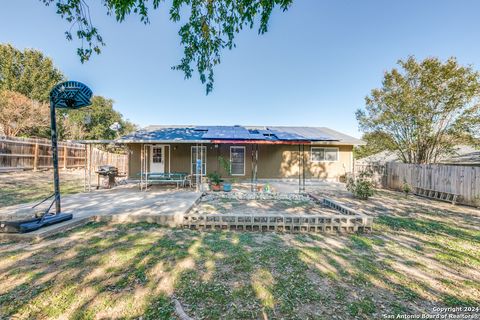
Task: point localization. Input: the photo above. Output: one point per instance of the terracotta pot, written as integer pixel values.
(216, 187)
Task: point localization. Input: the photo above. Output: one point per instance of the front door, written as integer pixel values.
(157, 159)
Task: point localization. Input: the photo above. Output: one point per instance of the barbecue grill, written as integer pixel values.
(108, 173)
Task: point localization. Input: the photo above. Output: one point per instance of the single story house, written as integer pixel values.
(253, 151)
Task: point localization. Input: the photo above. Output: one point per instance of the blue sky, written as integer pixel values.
(314, 67)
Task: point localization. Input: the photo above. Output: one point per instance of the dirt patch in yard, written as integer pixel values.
(390, 204)
(260, 203)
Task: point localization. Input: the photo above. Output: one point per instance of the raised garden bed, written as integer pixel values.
(260, 203)
(290, 212)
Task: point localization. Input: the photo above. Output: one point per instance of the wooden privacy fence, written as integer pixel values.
(99, 157)
(377, 172)
(461, 180)
(34, 154)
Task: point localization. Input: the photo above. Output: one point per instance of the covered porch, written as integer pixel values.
(251, 153)
(248, 162)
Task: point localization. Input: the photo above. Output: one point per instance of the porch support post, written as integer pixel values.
(197, 178)
(299, 171)
(256, 165)
(141, 167)
(169, 158)
(85, 163)
(89, 167)
(303, 167)
(253, 169)
(252, 187)
(146, 168)
(145, 164)
(201, 166)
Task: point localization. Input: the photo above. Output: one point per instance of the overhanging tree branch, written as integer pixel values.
(210, 28)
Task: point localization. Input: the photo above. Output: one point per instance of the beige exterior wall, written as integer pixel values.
(134, 160)
(274, 161)
(284, 161)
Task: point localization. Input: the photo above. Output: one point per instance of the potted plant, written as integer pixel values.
(226, 165)
(215, 180)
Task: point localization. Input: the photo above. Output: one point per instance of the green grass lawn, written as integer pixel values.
(29, 186)
(128, 271)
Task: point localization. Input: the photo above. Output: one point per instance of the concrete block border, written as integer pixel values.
(347, 220)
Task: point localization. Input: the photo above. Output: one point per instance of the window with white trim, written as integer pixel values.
(237, 161)
(157, 154)
(202, 155)
(324, 154)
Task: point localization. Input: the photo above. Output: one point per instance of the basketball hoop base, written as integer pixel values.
(28, 225)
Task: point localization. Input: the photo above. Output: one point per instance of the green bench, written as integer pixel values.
(178, 178)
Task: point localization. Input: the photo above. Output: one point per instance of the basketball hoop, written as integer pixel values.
(65, 95)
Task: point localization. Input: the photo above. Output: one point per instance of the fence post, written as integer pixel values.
(35, 157)
(65, 149)
(385, 176)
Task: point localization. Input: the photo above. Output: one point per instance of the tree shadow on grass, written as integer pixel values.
(132, 270)
(80, 275)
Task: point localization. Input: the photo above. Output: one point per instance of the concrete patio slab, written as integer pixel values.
(123, 204)
(128, 204)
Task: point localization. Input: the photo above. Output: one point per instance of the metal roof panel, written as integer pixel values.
(275, 133)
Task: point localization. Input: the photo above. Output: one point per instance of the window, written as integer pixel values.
(324, 154)
(237, 161)
(202, 155)
(157, 155)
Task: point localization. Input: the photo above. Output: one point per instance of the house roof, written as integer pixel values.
(460, 155)
(246, 134)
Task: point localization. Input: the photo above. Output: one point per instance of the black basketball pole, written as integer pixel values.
(56, 178)
(65, 95)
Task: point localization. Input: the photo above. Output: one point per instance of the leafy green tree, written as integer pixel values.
(424, 108)
(211, 26)
(98, 121)
(26, 78)
(28, 72)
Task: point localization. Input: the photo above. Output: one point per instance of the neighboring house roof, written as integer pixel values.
(461, 155)
(259, 134)
(378, 158)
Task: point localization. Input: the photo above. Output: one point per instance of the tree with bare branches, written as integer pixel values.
(19, 113)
